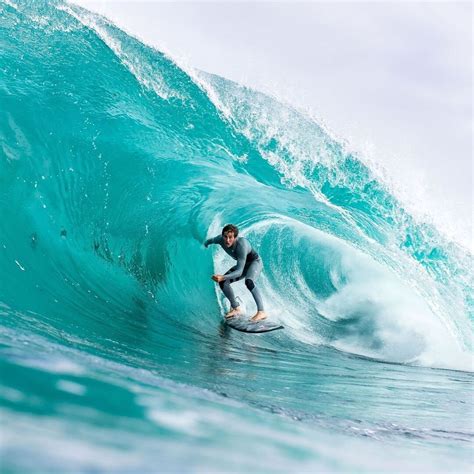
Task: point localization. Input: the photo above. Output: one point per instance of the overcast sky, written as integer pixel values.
(394, 79)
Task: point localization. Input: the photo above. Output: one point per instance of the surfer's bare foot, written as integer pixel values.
(232, 313)
(259, 316)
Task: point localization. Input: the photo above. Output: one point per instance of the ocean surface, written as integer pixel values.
(116, 164)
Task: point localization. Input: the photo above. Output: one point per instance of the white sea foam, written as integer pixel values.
(71, 387)
(374, 312)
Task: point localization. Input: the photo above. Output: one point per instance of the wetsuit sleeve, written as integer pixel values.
(214, 240)
(239, 268)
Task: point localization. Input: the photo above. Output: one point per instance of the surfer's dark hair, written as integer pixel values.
(230, 228)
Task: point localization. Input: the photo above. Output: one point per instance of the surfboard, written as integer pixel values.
(243, 324)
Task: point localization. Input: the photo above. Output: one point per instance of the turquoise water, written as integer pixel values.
(116, 164)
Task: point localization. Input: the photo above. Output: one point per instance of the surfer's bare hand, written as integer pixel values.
(218, 278)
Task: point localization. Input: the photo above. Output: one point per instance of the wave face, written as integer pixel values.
(116, 165)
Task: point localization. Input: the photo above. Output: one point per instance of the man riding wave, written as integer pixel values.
(249, 266)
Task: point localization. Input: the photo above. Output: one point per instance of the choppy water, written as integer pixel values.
(116, 164)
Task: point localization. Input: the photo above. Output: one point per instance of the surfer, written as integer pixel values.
(249, 265)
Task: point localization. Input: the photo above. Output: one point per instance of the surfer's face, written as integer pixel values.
(229, 239)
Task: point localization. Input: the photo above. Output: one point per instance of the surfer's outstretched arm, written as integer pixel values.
(213, 240)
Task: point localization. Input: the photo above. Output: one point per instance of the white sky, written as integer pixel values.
(394, 79)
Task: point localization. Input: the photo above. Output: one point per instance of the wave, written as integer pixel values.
(117, 163)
